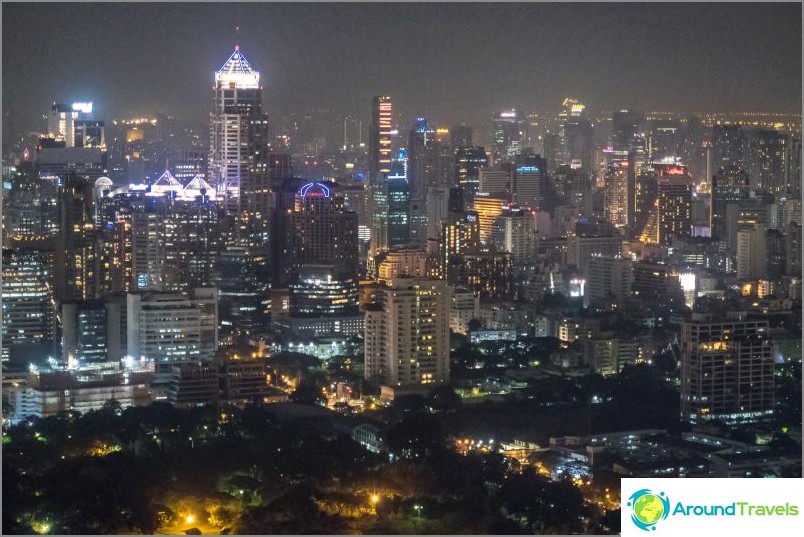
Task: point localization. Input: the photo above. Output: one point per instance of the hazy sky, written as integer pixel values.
(455, 62)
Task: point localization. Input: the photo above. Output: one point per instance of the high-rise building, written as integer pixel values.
(726, 370)
(767, 166)
(406, 337)
(84, 332)
(572, 143)
(728, 146)
(730, 186)
(321, 229)
(324, 291)
(530, 181)
(671, 214)
(514, 233)
(752, 258)
(28, 298)
(171, 328)
(236, 121)
(608, 278)
(510, 135)
(620, 195)
(626, 136)
(468, 163)
(380, 136)
(398, 196)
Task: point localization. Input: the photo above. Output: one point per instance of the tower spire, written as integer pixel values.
(237, 37)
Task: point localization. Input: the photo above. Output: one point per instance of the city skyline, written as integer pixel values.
(644, 57)
(385, 269)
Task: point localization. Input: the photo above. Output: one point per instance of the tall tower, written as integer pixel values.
(379, 167)
(380, 136)
(238, 103)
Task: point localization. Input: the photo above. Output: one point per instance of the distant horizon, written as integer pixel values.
(464, 63)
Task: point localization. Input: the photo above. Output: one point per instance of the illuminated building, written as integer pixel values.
(671, 215)
(626, 137)
(514, 233)
(468, 163)
(572, 186)
(726, 370)
(767, 166)
(147, 251)
(458, 237)
(485, 271)
(487, 209)
(729, 187)
(728, 146)
(401, 264)
(28, 304)
(424, 171)
(72, 125)
(608, 355)
(619, 195)
(463, 307)
(77, 272)
(321, 229)
(169, 328)
(84, 332)
(530, 181)
(406, 335)
(323, 291)
(241, 287)
(571, 145)
(237, 131)
(510, 135)
(398, 217)
(380, 137)
(751, 253)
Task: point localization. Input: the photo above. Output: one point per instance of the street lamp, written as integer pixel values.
(418, 509)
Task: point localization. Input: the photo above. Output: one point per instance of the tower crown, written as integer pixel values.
(237, 70)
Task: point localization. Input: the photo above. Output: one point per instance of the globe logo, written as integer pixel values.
(648, 508)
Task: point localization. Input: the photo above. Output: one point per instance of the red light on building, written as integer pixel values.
(674, 170)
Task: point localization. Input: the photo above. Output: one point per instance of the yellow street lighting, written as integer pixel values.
(189, 519)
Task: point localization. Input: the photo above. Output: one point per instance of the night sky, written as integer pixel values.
(455, 62)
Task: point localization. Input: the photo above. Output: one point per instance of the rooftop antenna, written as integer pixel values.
(237, 35)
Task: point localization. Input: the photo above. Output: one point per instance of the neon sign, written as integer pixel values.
(675, 170)
(321, 190)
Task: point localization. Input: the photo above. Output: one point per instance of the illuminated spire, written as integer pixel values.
(237, 69)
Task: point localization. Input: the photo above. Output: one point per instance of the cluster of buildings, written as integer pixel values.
(264, 238)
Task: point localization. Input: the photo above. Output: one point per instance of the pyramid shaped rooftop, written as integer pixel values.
(237, 69)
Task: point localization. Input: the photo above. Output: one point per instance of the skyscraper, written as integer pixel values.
(468, 163)
(619, 195)
(510, 135)
(406, 337)
(236, 121)
(380, 136)
(28, 313)
(321, 229)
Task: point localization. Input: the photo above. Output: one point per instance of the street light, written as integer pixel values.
(189, 519)
(418, 509)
